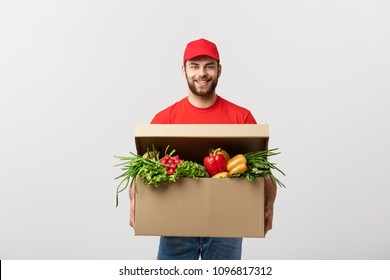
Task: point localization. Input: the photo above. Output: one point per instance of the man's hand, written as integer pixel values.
(270, 196)
(132, 204)
(269, 213)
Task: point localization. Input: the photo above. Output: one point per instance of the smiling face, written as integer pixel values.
(202, 75)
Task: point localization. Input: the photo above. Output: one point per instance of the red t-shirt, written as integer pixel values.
(221, 112)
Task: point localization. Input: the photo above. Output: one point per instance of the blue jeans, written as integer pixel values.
(207, 248)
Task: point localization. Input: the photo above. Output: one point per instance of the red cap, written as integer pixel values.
(200, 47)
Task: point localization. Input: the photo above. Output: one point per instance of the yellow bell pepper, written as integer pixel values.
(225, 154)
(221, 175)
(237, 164)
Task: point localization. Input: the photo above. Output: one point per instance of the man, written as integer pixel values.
(202, 68)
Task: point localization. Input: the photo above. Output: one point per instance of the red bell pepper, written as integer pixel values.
(215, 163)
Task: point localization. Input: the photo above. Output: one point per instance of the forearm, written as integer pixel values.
(270, 191)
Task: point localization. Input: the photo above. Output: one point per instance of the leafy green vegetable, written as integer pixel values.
(153, 175)
(190, 169)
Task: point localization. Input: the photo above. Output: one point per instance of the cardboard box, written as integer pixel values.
(225, 207)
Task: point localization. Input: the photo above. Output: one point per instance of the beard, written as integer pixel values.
(202, 91)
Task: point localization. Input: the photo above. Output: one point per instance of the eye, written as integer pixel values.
(194, 66)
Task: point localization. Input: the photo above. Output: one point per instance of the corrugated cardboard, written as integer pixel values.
(204, 207)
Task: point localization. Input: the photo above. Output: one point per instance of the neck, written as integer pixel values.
(202, 101)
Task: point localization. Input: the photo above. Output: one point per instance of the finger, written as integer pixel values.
(132, 222)
(132, 214)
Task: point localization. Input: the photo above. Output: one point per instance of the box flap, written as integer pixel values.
(193, 141)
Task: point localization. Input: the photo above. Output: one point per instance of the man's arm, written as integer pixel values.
(270, 196)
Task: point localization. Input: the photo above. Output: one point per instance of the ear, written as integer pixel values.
(183, 70)
(219, 70)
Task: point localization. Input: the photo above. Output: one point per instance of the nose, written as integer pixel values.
(202, 72)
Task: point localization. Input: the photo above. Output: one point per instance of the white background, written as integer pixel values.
(76, 76)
